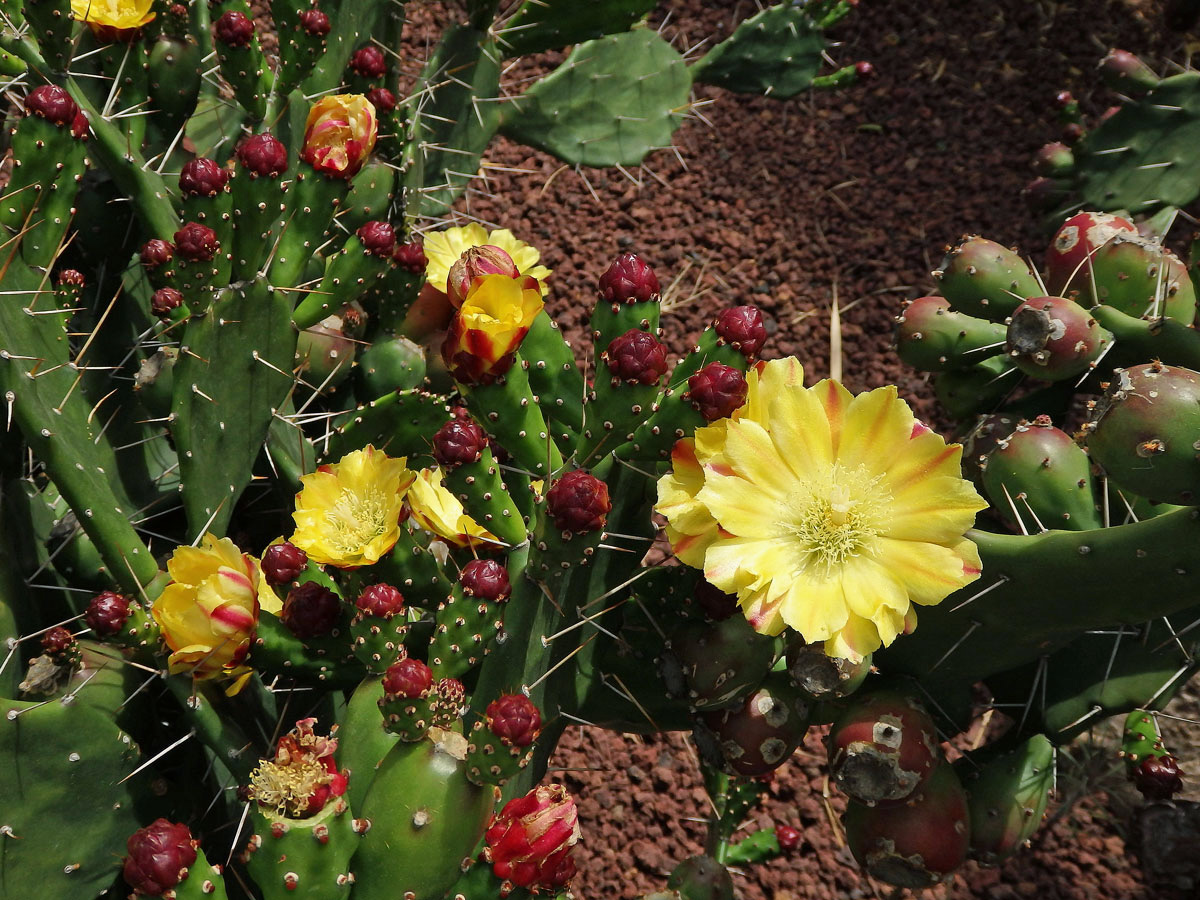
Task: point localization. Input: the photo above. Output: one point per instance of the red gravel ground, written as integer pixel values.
(787, 205)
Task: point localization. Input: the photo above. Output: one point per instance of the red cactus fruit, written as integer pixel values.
(80, 126)
(1122, 71)
(514, 719)
(1073, 244)
(410, 257)
(1073, 132)
(1053, 159)
(716, 391)
(1053, 338)
(57, 641)
(637, 357)
(578, 502)
(865, 69)
(1158, 778)
(743, 328)
(378, 238)
(789, 838)
(164, 300)
(369, 62)
(202, 177)
(883, 748)
(234, 29)
(382, 99)
(263, 156)
(315, 22)
(380, 600)
(196, 242)
(459, 442)
(310, 610)
(759, 734)
(408, 678)
(452, 699)
(629, 280)
(107, 613)
(1064, 99)
(918, 843)
(476, 262)
(486, 579)
(71, 278)
(529, 843)
(282, 563)
(156, 252)
(52, 103)
(159, 856)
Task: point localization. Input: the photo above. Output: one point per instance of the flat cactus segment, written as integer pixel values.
(548, 24)
(399, 423)
(610, 103)
(776, 52)
(232, 375)
(1144, 155)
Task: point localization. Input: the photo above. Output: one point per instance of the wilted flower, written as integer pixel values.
(489, 327)
(443, 249)
(113, 19)
(437, 510)
(339, 134)
(302, 777)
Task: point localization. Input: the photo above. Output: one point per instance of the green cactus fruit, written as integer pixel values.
(510, 413)
(50, 24)
(549, 24)
(1054, 160)
(883, 748)
(978, 389)
(1007, 796)
(472, 474)
(1140, 738)
(1141, 278)
(308, 857)
(628, 375)
(985, 279)
(757, 736)
(241, 58)
(758, 846)
(464, 628)
(932, 337)
(360, 266)
(1038, 472)
(1143, 432)
(821, 677)
(1068, 258)
(501, 743)
(394, 364)
(1054, 339)
(612, 101)
(985, 435)
(325, 354)
(715, 665)
(426, 820)
(41, 141)
(1124, 72)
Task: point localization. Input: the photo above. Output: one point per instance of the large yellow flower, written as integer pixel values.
(443, 248)
(348, 513)
(437, 510)
(121, 15)
(824, 512)
(489, 327)
(209, 611)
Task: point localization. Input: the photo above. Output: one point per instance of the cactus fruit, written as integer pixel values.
(701, 878)
(822, 677)
(1140, 278)
(1068, 258)
(984, 279)
(757, 736)
(1007, 796)
(715, 666)
(499, 742)
(159, 857)
(931, 336)
(409, 699)
(1054, 339)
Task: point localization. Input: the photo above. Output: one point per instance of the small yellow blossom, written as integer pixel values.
(443, 248)
(119, 15)
(438, 511)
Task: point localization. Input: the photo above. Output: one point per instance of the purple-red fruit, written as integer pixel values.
(716, 391)
(411, 257)
(164, 300)
(71, 278)
(742, 327)
(382, 99)
(789, 838)
(202, 177)
(459, 442)
(865, 69)
(637, 357)
(315, 22)
(369, 62)
(156, 252)
(407, 678)
(514, 719)
(282, 563)
(52, 103)
(1053, 338)
(882, 749)
(380, 600)
(57, 641)
(1158, 778)
(159, 856)
(578, 502)
(263, 156)
(629, 280)
(758, 735)
(107, 613)
(486, 579)
(311, 610)
(378, 238)
(234, 29)
(80, 126)
(196, 242)
(1073, 244)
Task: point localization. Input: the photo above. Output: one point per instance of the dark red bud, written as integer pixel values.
(310, 610)
(788, 837)
(159, 856)
(164, 300)
(283, 563)
(742, 327)
(234, 29)
(1063, 99)
(263, 156)
(315, 22)
(196, 242)
(629, 280)
(202, 177)
(378, 238)
(1158, 777)
(459, 442)
(369, 62)
(381, 600)
(452, 696)
(157, 252)
(409, 678)
(1072, 132)
(637, 356)
(864, 69)
(578, 502)
(716, 391)
(80, 126)
(57, 641)
(51, 103)
(514, 719)
(107, 613)
(71, 278)
(411, 257)
(382, 99)
(486, 579)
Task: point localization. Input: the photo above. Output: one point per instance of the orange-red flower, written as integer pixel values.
(339, 134)
(489, 327)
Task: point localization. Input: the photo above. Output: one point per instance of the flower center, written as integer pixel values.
(288, 789)
(834, 520)
(357, 519)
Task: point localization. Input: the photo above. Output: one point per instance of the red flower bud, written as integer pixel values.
(716, 391)
(196, 242)
(459, 442)
(636, 356)
(234, 29)
(157, 252)
(164, 300)
(381, 600)
(80, 126)
(1073, 132)
(57, 641)
(315, 22)
(411, 257)
(369, 62)
(107, 613)
(629, 280)
(159, 856)
(529, 843)
(310, 610)
(452, 698)
(382, 99)
(202, 177)
(514, 719)
(864, 69)
(378, 238)
(263, 156)
(788, 837)
(476, 262)
(71, 278)
(1158, 778)
(1063, 99)
(578, 502)
(408, 678)
(742, 327)
(486, 579)
(52, 103)
(283, 563)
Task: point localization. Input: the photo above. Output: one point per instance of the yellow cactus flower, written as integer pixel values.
(209, 611)
(111, 18)
(348, 513)
(489, 327)
(438, 511)
(339, 134)
(443, 248)
(823, 512)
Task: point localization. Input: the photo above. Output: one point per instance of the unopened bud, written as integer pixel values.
(474, 263)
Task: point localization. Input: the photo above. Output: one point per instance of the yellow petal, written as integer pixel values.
(815, 608)
(876, 430)
(930, 572)
(938, 510)
(835, 400)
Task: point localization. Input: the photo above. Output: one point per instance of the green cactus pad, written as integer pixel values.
(399, 423)
(612, 102)
(303, 858)
(548, 24)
